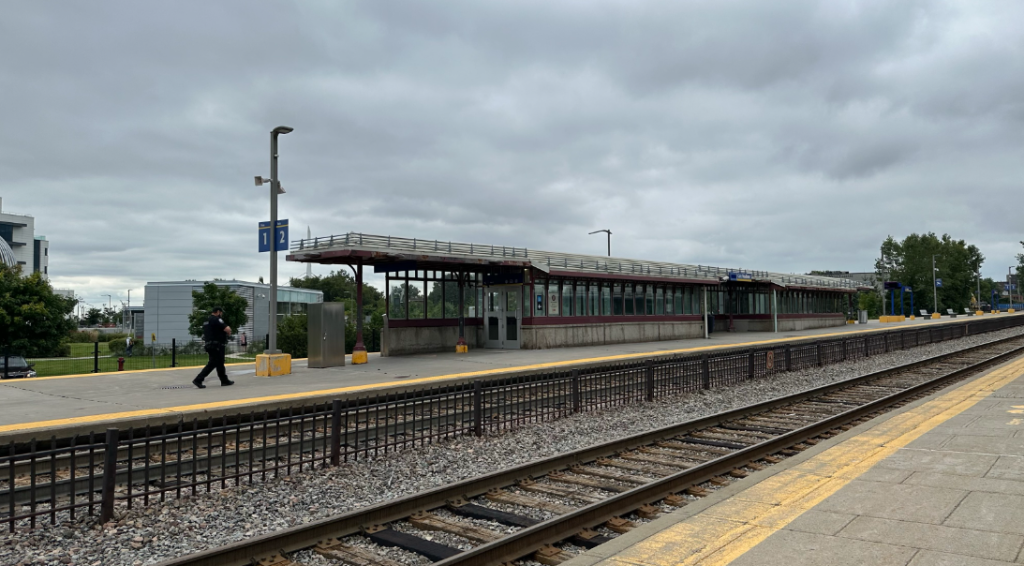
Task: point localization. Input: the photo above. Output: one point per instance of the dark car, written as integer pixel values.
(17, 367)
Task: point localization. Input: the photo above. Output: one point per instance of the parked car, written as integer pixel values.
(18, 367)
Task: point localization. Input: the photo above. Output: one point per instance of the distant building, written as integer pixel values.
(168, 304)
(30, 251)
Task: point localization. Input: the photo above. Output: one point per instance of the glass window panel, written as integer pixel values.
(606, 299)
(451, 296)
(512, 299)
(616, 299)
(469, 306)
(396, 309)
(566, 298)
(417, 300)
(581, 300)
(687, 300)
(553, 300)
(670, 307)
(595, 299)
(649, 299)
(435, 303)
(659, 301)
(628, 299)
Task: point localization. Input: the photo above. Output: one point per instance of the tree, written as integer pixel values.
(340, 286)
(93, 316)
(34, 321)
(910, 263)
(214, 295)
(292, 335)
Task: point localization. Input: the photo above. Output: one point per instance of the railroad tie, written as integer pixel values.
(386, 536)
(278, 559)
(472, 510)
(430, 522)
(351, 555)
(587, 482)
(635, 466)
(607, 474)
(588, 538)
(501, 496)
(558, 491)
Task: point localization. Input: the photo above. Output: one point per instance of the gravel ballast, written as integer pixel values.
(148, 535)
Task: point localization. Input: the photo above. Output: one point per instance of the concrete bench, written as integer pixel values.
(968, 311)
(924, 313)
(951, 313)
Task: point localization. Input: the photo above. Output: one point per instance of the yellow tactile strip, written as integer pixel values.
(724, 532)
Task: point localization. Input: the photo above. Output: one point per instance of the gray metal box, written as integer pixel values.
(326, 335)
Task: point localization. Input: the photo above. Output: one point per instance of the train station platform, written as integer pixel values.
(939, 482)
(90, 402)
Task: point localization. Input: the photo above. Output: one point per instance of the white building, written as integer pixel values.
(31, 252)
(168, 304)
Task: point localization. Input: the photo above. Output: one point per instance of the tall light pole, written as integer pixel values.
(978, 306)
(1009, 286)
(275, 186)
(609, 239)
(110, 301)
(935, 288)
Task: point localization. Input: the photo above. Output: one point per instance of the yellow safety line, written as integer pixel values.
(369, 386)
(726, 531)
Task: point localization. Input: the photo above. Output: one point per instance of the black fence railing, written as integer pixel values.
(58, 479)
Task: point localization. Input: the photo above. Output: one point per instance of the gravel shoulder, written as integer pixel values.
(148, 535)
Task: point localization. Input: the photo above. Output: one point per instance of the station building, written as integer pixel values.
(441, 294)
(168, 304)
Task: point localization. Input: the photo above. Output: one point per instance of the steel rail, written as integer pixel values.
(553, 530)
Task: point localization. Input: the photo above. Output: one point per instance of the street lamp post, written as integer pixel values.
(274, 188)
(978, 306)
(935, 288)
(1009, 288)
(609, 239)
(110, 302)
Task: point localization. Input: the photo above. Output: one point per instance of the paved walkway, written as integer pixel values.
(28, 406)
(939, 483)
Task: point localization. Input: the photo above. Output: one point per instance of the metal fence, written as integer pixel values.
(143, 356)
(59, 479)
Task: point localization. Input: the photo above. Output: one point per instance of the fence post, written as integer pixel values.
(7, 361)
(174, 352)
(817, 352)
(789, 358)
(867, 347)
(845, 346)
(96, 356)
(750, 356)
(109, 476)
(705, 371)
(576, 401)
(336, 432)
(478, 409)
(649, 380)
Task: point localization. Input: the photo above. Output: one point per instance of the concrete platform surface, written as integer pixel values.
(937, 483)
(28, 406)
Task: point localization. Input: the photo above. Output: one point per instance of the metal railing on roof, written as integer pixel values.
(554, 260)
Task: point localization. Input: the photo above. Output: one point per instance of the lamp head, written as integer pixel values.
(282, 130)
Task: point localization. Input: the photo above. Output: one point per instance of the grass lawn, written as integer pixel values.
(82, 350)
(69, 366)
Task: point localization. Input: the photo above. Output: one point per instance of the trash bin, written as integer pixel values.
(862, 317)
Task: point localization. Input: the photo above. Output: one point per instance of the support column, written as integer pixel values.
(461, 347)
(359, 350)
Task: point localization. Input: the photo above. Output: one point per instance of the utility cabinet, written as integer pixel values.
(326, 335)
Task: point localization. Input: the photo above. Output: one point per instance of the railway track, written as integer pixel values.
(543, 509)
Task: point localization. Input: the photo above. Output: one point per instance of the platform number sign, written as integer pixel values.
(938, 282)
(278, 238)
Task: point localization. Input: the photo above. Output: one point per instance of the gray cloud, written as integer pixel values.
(790, 136)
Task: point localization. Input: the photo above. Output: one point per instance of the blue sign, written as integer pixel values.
(739, 276)
(279, 238)
(938, 282)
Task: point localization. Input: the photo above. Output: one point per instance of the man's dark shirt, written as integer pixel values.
(213, 330)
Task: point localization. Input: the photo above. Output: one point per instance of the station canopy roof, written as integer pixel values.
(390, 253)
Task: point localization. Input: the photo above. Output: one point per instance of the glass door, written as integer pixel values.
(503, 317)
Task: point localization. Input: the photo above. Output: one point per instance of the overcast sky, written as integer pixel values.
(787, 136)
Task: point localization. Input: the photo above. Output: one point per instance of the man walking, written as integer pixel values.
(215, 335)
(128, 343)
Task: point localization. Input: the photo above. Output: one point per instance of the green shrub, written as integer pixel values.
(292, 335)
(83, 337)
(117, 345)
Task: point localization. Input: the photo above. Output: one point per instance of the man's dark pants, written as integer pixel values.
(216, 352)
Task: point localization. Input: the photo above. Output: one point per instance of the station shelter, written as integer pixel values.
(442, 294)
